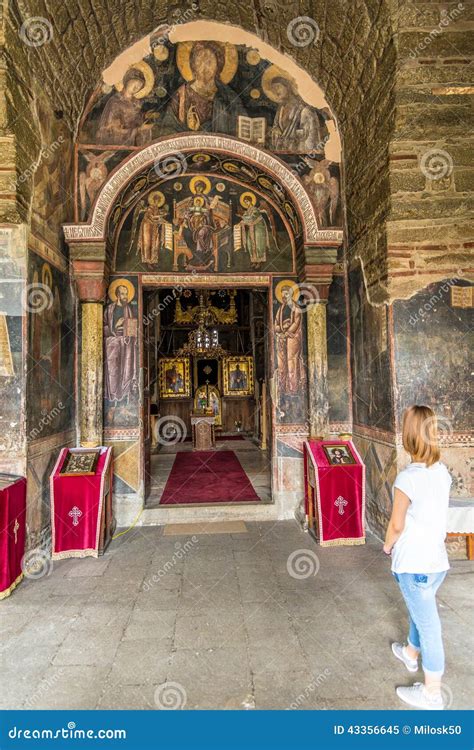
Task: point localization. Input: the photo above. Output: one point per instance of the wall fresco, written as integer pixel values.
(50, 360)
(289, 325)
(203, 223)
(370, 359)
(121, 365)
(338, 367)
(432, 335)
(209, 87)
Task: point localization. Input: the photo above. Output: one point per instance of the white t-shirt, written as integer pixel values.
(421, 547)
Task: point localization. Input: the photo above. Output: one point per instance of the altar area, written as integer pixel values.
(206, 359)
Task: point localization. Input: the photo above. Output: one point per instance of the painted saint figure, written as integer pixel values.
(256, 236)
(297, 126)
(122, 117)
(121, 351)
(154, 227)
(288, 329)
(197, 226)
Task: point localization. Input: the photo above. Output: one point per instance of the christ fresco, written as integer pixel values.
(213, 87)
(205, 102)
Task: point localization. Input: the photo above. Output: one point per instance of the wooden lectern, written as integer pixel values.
(203, 429)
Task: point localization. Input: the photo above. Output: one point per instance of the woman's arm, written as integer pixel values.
(397, 519)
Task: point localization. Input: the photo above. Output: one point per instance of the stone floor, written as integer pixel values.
(258, 619)
(254, 462)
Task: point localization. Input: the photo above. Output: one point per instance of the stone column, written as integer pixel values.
(91, 282)
(318, 395)
(317, 279)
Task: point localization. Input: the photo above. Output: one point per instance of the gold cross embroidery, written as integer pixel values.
(16, 526)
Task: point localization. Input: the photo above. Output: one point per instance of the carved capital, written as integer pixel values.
(319, 268)
(91, 277)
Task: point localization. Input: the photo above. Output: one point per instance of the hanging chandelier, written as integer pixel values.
(202, 341)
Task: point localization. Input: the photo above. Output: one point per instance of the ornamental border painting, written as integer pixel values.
(238, 381)
(174, 377)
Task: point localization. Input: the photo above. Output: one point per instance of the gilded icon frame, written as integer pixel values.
(182, 367)
(229, 367)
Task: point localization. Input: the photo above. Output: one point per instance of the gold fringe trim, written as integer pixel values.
(8, 591)
(342, 542)
(75, 553)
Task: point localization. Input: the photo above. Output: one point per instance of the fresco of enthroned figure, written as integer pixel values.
(205, 224)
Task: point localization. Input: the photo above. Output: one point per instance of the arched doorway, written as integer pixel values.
(202, 212)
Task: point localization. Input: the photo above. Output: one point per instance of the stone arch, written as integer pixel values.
(173, 147)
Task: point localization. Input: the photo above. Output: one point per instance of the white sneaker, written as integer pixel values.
(399, 651)
(418, 697)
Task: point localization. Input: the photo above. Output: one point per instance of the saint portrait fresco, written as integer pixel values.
(121, 353)
(290, 375)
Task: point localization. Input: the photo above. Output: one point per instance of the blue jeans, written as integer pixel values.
(419, 591)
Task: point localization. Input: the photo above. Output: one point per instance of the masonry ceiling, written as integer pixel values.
(89, 34)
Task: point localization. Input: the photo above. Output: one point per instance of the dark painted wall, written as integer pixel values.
(370, 359)
(338, 370)
(433, 354)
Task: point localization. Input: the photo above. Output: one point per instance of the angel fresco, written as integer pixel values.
(92, 179)
(323, 189)
(205, 101)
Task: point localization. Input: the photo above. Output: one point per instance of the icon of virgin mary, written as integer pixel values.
(205, 101)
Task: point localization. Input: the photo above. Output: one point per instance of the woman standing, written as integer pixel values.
(415, 539)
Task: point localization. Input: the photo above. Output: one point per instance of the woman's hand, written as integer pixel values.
(387, 549)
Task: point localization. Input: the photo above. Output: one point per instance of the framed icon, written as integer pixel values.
(174, 376)
(238, 376)
(339, 455)
(208, 397)
(80, 462)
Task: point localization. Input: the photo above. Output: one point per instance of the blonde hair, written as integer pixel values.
(420, 434)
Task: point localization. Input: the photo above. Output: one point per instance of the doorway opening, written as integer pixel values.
(205, 401)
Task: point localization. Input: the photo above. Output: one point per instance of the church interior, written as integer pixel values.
(227, 231)
(226, 377)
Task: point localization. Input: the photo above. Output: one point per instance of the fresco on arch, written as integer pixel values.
(206, 224)
(207, 86)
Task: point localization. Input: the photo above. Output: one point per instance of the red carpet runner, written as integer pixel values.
(207, 477)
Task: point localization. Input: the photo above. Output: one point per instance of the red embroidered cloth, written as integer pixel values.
(12, 532)
(338, 496)
(76, 508)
